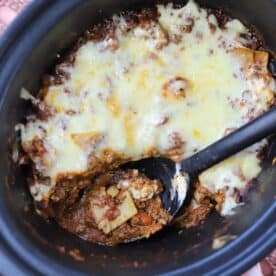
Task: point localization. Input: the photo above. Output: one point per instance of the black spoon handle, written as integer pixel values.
(238, 140)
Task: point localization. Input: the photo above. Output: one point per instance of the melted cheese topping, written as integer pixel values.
(170, 87)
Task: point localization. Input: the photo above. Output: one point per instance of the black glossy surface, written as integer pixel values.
(48, 27)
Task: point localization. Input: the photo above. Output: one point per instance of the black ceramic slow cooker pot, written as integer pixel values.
(29, 245)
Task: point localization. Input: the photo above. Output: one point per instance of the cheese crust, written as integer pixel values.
(167, 85)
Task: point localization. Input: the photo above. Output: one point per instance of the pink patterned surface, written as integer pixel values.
(8, 11)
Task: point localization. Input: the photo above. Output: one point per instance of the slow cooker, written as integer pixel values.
(29, 245)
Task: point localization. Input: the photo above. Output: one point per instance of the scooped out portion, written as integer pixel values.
(119, 206)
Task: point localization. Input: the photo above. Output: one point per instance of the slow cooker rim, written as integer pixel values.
(260, 247)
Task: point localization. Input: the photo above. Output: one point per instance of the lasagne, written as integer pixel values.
(168, 82)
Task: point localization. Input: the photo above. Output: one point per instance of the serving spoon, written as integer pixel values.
(177, 178)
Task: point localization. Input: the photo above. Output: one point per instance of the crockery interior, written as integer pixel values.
(171, 248)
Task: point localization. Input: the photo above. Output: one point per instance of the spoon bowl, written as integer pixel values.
(175, 183)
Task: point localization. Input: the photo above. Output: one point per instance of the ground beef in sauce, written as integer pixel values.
(75, 212)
